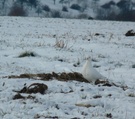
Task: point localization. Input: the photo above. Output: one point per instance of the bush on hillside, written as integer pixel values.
(17, 11)
(64, 8)
(75, 7)
(55, 14)
(46, 8)
(33, 3)
(82, 16)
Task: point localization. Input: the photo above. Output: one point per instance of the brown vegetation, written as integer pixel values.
(130, 33)
(49, 76)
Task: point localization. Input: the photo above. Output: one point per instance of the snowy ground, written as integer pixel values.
(62, 45)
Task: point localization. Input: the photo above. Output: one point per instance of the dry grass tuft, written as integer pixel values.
(61, 43)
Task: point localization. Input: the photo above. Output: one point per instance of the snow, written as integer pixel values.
(111, 50)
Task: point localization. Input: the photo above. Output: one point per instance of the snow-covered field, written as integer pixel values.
(62, 45)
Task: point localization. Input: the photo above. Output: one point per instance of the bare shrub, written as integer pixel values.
(61, 43)
(83, 16)
(17, 11)
(55, 14)
(126, 15)
(33, 3)
(90, 18)
(46, 8)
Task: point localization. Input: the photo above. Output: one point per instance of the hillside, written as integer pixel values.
(120, 10)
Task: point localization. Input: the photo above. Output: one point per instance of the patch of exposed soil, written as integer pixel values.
(98, 34)
(34, 88)
(130, 33)
(109, 115)
(61, 77)
(109, 84)
(85, 105)
(49, 76)
(45, 117)
(19, 96)
(97, 96)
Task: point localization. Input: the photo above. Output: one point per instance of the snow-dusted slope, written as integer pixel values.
(89, 8)
(62, 45)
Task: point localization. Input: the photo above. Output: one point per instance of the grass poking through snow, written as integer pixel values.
(27, 54)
